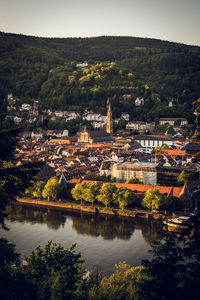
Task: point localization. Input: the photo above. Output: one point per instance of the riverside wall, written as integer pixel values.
(68, 206)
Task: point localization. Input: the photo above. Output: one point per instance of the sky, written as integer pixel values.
(172, 20)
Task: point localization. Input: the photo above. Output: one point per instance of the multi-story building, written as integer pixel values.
(152, 141)
(146, 172)
(173, 121)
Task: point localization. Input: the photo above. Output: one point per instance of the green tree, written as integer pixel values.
(159, 148)
(172, 203)
(107, 194)
(14, 179)
(13, 282)
(92, 192)
(122, 123)
(51, 189)
(175, 265)
(134, 180)
(55, 271)
(79, 192)
(38, 189)
(183, 178)
(125, 283)
(123, 197)
(153, 199)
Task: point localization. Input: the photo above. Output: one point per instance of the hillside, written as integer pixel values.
(45, 68)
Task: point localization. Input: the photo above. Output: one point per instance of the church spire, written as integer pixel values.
(109, 121)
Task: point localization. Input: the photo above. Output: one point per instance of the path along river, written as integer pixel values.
(102, 240)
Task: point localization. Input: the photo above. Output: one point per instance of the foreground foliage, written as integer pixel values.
(56, 272)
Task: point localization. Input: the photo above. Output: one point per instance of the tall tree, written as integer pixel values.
(79, 192)
(14, 179)
(153, 199)
(123, 196)
(92, 192)
(51, 189)
(13, 282)
(183, 178)
(107, 194)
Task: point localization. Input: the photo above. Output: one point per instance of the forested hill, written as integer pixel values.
(43, 68)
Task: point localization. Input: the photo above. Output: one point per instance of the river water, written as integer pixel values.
(103, 241)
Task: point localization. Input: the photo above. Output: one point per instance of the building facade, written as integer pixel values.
(173, 121)
(150, 141)
(145, 172)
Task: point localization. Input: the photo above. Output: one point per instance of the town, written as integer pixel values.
(138, 151)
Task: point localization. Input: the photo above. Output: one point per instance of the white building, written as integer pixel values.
(98, 124)
(145, 172)
(71, 115)
(139, 101)
(91, 116)
(17, 120)
(125, 116)
(26, 106)
(151, 141)
(173, 121)
(140, 126)
(82, 65)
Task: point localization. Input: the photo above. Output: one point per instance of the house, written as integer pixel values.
(125, 116)
(172, 102)
(17, 120)
(98, 124)
(140, 126)
(36, 135)
(173, 121)
(26, 106)
(91, 116)
(127, 96)
(65, 133)
(105, 168)
(139, 101)
(82, 65)
(59, 114)
(71, 115)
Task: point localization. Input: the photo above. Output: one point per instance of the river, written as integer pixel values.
(102, 240)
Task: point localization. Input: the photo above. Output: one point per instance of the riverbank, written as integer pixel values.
(91, 209)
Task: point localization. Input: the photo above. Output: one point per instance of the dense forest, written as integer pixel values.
(46, 69)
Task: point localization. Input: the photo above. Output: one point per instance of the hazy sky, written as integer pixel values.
(172, 20)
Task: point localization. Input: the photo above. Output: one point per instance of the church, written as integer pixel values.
(92, 136)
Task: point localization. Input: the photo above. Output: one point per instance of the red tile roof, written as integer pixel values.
(142, 188)
(172, 152)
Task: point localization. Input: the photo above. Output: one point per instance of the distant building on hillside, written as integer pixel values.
(139, 101)
(82, 65)
(140, 126)
(173, 121)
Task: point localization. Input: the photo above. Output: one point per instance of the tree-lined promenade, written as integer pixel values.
(104, 197)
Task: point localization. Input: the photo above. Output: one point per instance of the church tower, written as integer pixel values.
(109, 121)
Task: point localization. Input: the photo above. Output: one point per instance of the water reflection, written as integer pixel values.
(53, 219)
(108, 227)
